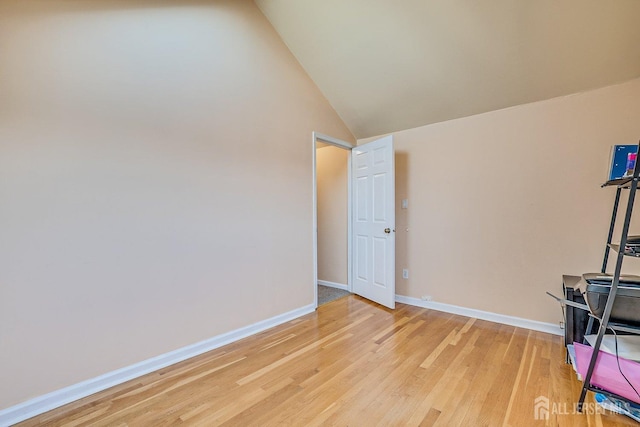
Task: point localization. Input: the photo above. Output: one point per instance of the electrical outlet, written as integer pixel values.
(426, 298)
(405, 273)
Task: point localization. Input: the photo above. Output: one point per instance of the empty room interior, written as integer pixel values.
(181, 181)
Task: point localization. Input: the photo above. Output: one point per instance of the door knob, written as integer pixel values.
(387, 230)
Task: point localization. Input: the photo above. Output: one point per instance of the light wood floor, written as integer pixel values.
(353, 363)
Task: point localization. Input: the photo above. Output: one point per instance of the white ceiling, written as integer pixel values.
(389, 65)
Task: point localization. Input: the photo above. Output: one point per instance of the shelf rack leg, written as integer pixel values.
(611, 227)
(614, 289)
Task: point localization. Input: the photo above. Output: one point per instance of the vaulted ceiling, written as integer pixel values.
(387, 65)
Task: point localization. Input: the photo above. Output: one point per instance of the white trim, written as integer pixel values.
(317, 136)
(314, 229)
(55, 399)
(349, 226)
(535, 325)
(333, 285)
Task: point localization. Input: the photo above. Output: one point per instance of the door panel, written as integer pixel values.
(361, 258)
(379, 198)
(374, 221)
(361, 198)
(379, 252)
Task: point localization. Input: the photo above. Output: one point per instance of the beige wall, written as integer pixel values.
(502, 204)
(155, 182)
(332, 181)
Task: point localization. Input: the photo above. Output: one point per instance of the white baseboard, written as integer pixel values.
(55, 399)
(535, 325)
(333, 285)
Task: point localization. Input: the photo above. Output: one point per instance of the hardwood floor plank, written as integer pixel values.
(430, 419)
(355, 363)
(517, 383)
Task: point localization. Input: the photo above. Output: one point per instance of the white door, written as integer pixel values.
(373, 186)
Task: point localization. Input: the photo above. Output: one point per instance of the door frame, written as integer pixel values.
(319, 137)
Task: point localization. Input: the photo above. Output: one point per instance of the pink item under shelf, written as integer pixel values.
(606, 374)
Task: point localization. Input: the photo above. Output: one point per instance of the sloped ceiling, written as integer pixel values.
(389, 65)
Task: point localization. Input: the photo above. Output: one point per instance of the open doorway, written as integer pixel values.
(332, 182)
(332, 219)
(371, 225)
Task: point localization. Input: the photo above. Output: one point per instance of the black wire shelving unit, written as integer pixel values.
(605, 323)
